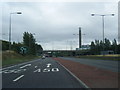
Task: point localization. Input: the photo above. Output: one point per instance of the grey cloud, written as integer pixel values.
(57, 22)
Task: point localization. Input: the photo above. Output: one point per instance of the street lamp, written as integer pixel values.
(10, 29)
(102, 15)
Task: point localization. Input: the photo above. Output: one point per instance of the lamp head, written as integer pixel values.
(113, 14)
(92, 14)
(19, 12)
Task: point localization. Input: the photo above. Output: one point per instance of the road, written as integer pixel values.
(104, 64)
(41, 73)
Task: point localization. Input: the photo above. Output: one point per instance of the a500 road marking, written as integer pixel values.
(47, 70)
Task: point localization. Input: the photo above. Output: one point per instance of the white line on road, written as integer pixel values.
(74, 75)
(19, 64)
(25, 65)
(18, 78)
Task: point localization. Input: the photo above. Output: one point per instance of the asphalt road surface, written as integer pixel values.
(41, 73)
(104, 64)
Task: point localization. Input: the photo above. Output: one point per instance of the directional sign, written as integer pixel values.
(23, 50)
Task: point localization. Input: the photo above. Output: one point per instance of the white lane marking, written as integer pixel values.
(38, 70)
(49, 64)
(25, 65)
(35, 66)
(74, 75)
(16, 71)
(18, 78)
(19, 70)
(5, 71)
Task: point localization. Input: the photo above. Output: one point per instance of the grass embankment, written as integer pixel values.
(14, 58)
(115, 57)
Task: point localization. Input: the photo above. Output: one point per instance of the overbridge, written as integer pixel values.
(66, 52)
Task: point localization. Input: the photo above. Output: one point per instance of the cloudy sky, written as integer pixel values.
(54, 23)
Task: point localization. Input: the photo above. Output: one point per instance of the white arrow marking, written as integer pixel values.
(18, 78)
(49, 64)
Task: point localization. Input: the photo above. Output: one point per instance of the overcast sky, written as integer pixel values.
(54, 23)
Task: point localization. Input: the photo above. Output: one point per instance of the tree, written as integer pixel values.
(101, 45)
(39, 49)
(30, 42)
(114, 46)
(97, 48)
(92, 46)
(118, 49)
(16, 47)
(26, 39)
(107, 44)
(5, 45)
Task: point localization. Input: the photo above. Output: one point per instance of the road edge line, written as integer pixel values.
(73, 75)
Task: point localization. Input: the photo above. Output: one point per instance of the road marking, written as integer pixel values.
(36, 66)
(46, 70)
(38, 70)
(5, 71)
(55, 69)
(13, 71)
(19, 64)
(49, 64)
(18, 78)
(16, 71)
(74, 75)
(25, 65)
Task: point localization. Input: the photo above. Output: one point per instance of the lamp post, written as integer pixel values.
(103, 15)
(10, 29)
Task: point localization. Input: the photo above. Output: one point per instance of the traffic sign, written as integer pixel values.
(23, 50)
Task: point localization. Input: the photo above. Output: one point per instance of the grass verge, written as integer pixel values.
(101, 57)
(14, 58)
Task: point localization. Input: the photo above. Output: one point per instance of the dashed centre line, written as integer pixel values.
(18, 78)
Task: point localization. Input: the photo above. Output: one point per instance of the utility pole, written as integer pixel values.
(79, 37)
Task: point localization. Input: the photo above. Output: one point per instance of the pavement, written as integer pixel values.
(41, 73)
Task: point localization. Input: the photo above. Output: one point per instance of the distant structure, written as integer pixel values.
(79, 37)
(84, 47)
